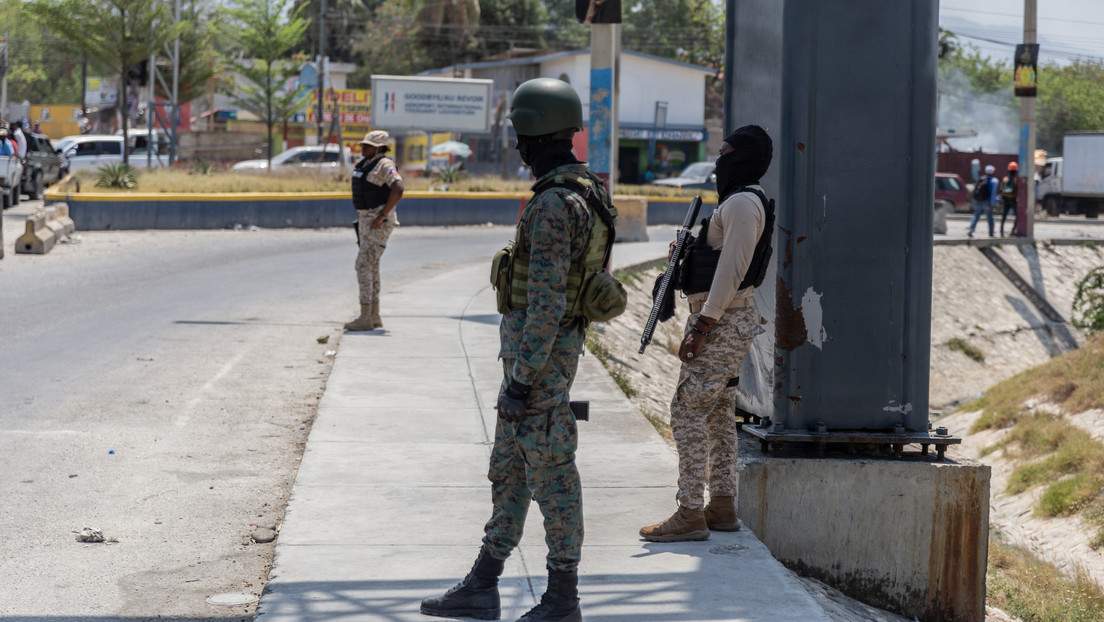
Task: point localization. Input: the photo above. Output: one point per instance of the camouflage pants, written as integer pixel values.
(372, 244)
(703, 421)
(535, 459)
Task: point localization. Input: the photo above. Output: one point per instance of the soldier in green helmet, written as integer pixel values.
(562, 228)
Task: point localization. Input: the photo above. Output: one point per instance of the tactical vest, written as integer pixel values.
(699, 266)
(594, 259)
(367, 195)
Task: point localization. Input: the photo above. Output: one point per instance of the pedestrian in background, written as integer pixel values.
(20, 139)
(541, 338)
(377, 188)
(1008, 197)
(7, 147)
(722, 324)
(985, 197)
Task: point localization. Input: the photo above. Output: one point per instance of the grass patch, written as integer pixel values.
(212, 179)
(1064, 458)
(960, 345)
(1035, 591)
(634, 276)
(1073, 381)
(1068, 495)
(602, 353)
(661, 426)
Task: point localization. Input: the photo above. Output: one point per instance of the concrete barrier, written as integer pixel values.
(632, 218)
(52, 222)
(38, 239)
(672, 210)
(62, 216)
(103, 211)
(907, 535)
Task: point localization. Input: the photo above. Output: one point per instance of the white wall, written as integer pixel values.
(643, 82)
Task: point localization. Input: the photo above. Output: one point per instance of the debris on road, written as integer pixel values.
(90, 534)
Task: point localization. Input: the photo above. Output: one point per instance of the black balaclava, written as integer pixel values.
(544, 153)
(748, 161)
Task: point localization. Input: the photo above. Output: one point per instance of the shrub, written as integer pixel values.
(1088, 304)
(120, 176)
(449, 174)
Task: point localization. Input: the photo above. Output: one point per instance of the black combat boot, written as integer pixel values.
(560, 602)
(474, 597)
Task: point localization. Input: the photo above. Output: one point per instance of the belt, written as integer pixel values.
(739, 303)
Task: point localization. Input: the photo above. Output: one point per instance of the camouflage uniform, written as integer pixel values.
(702, 422)
(374, 241)
(535, 459)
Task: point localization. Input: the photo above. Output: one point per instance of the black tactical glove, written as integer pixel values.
(511, 402)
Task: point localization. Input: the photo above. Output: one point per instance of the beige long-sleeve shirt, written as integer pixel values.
(734, 229)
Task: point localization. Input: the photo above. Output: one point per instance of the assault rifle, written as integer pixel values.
(672, 269)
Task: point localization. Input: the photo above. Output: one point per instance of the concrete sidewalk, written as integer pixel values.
(392, 495)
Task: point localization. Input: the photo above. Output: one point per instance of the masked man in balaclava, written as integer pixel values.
(723, 321)
(541, 338)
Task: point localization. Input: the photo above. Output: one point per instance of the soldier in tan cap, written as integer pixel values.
(377, 188)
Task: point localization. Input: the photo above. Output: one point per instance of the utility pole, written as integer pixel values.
(175, 91)
(321, 67)
(1027, 130)
(4, 85)
(605, 53)
(84, 87)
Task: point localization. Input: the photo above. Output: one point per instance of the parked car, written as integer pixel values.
(697, 175)
(91, 151)
(303, 157)
(88, 152)
(139, 151)
(951, 191)
(42, 167)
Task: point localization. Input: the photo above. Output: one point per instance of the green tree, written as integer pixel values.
(198, 58)
(389, 45)
(1071, 98)
(116, 33)
(344, 25)
(36, 72)
(265, 40)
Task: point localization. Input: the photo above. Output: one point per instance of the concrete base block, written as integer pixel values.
(632, 218)
(38, 238)
(908, 535)
(68, 227)
(52, 222)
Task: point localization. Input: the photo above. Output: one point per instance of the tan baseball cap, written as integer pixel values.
(376, 138)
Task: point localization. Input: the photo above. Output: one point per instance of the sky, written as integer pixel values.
(1067, 29)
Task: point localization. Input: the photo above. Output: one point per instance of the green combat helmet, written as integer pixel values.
(546, 106)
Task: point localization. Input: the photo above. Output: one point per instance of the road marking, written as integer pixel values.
(182, 420)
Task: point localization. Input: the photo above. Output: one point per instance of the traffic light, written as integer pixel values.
(598, 11)
(138, 74)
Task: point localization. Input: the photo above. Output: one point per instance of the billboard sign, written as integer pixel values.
(431, 104)
(354, 107)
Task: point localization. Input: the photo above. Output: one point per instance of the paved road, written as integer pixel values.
(160, 386)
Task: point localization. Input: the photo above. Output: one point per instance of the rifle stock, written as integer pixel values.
(672, 268)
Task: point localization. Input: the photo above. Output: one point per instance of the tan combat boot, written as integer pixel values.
(720, 514)
(685, 524)
(375, 315)
(362, 322)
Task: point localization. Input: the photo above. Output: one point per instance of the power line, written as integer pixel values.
(1020, 16)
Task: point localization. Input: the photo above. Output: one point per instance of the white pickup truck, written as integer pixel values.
(11, 176)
